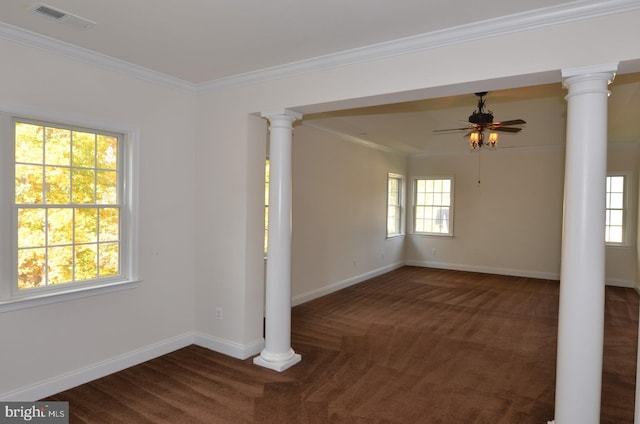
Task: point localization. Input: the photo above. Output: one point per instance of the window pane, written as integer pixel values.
(614, 234)
(615, 218)
(57, 185)
(29, 143)
(109, 257)
(85, 262)
(29, 184)
(393, 191)
(31, 268)
(60, 225)
(106, 187)
(391, 220)
(83, 151)
(60, 261)
(57, 146)
(617, 184)
(31, 227)
(83, 183)
(615, 201)
(429, 199)
(107, 153)
(109, 220)
(86, 225)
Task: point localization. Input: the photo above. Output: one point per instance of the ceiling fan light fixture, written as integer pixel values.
(482, 119)
(475, 140)
(493, 139)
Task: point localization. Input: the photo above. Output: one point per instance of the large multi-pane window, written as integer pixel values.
(69, 209)
(394, 204)
(615, 209)
(433, 206)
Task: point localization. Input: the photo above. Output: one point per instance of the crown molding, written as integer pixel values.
(32, 39)
(525, 21)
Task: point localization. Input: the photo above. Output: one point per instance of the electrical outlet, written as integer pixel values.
(434, 251)
(218, 312)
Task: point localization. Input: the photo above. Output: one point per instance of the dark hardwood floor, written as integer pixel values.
(415, 345)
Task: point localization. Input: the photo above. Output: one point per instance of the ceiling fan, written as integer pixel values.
(482, 119)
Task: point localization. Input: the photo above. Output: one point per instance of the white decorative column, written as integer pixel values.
(582, 278)
(277, 353)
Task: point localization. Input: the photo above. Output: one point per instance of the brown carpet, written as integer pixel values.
(415, 345)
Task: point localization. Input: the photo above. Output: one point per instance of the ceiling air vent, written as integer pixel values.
(69, 19)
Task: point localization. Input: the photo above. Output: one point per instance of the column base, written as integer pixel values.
(277, 365)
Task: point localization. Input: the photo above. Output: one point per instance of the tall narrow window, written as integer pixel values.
(394, 204)
(266, 205)
(433, 206)
(69, 209)
(615, 209)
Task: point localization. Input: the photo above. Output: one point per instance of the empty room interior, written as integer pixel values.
(361, 112)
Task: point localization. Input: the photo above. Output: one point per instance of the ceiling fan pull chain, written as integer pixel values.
(479, 153)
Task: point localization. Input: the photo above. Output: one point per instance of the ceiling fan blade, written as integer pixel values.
(453, 129)
(512, 122)
(507, 129)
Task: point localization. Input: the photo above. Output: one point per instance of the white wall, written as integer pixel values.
(339, 213)
(510, 223)
(55, 343)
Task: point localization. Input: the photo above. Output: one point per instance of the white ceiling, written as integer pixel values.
(202, 41)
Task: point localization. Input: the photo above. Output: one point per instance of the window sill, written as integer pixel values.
(618, 246)
(392, 236)
(432, 235)
(77, 293)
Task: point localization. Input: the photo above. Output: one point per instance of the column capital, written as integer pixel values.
(606, 71)
(281, 113)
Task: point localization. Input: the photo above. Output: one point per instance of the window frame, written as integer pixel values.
(267, 177)
(12, 298)
(399, 206)
(415, 205)
(625, 210)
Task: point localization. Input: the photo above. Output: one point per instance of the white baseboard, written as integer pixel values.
(84, 375)
(622, 283)
(339, 285)
(67, 381)
(229, 348)
(514, 272)
(487, 270)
